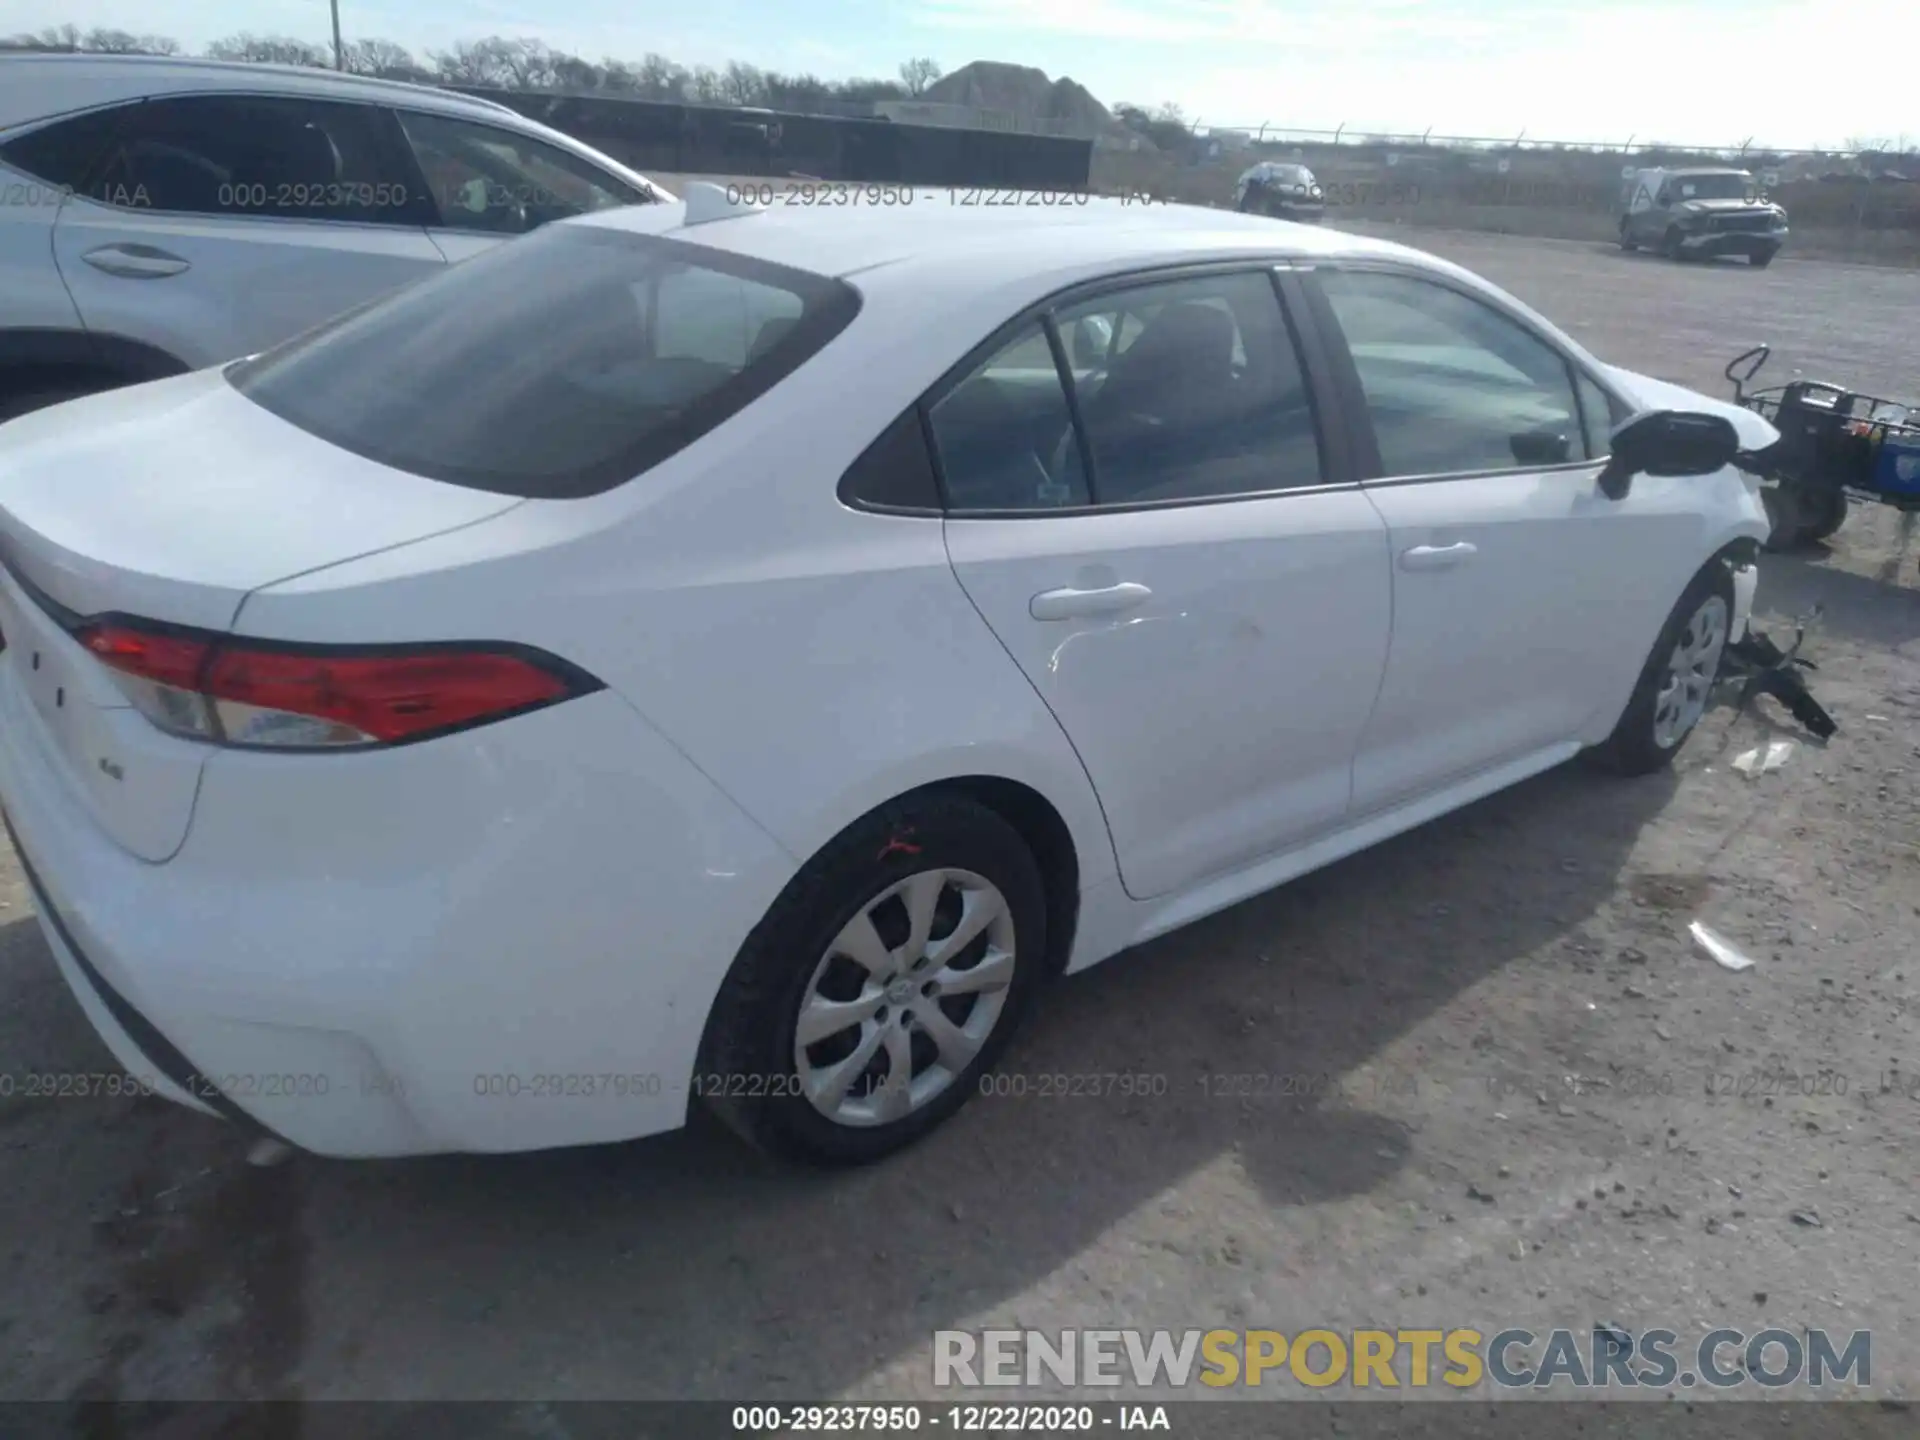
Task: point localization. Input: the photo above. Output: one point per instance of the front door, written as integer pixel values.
(1518, 586)
(1205, 615)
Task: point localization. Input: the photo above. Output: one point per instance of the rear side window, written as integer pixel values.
(1201, 396)
(556, 366)
(65, 152)
(1005, 432)
(252, 156)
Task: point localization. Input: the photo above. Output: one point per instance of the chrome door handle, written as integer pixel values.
(1437, 557)
(1070, 604)
(136, 262)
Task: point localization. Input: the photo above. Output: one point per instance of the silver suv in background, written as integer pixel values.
(1699, 213)
(158, 215)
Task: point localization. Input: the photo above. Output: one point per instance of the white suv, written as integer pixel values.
(159, 215)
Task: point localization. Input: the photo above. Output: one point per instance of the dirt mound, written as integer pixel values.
(1024, 91)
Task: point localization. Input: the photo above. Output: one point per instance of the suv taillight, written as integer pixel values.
(234, 691)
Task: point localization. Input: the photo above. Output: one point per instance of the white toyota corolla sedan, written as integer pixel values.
(703, 653)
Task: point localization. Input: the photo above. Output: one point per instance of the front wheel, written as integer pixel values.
(1678, 678)
(1761, 260)
(1627, 242)
(1670, 245)
(868, 1004)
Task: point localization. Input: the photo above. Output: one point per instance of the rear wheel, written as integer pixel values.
(1824, 514)
(1678, 679)
(1785, 517)
(887, 978)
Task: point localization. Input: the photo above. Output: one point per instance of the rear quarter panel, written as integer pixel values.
(813, 660)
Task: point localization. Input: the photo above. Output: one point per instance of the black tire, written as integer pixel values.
(1762, 260)
(1627, 242)
(748, 1072)
(21, 402)
(1823, 520)
(1786, 508)
(1670, 243)
(1633, 748)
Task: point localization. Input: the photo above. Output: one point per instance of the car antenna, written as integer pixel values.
(707, 203)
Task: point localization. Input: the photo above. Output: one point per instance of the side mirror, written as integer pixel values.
(1667, 442)
(1089, 340)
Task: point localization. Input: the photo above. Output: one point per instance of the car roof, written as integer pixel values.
(35, 86)
(982, 234)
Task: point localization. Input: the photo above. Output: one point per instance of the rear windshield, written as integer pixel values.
(554, 366)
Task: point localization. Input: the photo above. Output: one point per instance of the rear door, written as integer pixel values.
(1169, 547)
(219, 225)
(489, 183)
(1519, 594)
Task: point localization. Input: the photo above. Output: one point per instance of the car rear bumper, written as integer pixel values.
(506, 943)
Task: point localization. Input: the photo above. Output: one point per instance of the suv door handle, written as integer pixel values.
(136, 262)
(1437, 557)
(1070, 604)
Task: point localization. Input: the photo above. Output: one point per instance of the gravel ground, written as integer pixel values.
(1521, 1120)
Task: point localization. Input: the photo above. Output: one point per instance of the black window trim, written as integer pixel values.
(835, 304)
(399, 159)
(439, 220)
(1353, 401)
(1336, 459)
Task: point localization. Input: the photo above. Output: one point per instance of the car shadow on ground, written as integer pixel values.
(1853, 606)
(686, 1266)
(623, 1267)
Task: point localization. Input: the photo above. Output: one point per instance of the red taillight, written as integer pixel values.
(164, 658)
(240, 692)
(389, 698)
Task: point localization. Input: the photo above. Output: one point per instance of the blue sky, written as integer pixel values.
(1594, 71)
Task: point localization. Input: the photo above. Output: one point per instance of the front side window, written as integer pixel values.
(1599, 413)
(555, 367)
(482, 177)
(1451, 384)
(253, 156)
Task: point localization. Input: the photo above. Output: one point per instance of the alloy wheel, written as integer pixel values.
(1690, 671)
(905, 997)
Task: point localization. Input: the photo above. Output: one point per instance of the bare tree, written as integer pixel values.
(705, 87)
(570, 72)
(661, 79)
(59, 38)
(796, 92)
(497, 62)
(917, 74)
(384, 59)
(270, 50)
(742, 84)
(123, 42)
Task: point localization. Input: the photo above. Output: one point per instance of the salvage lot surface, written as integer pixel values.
(1504, 1000)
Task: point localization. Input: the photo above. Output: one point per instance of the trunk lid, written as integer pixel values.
(171, 502)
(175, 499)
